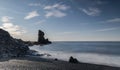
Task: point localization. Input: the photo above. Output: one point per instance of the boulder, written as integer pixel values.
(11, 47)
(56, 59)
(73, 60)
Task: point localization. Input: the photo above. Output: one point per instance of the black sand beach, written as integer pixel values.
(35, 63)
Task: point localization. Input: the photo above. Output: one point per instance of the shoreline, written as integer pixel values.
(37, 63)
(84, 57)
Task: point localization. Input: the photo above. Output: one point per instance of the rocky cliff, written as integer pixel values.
(11, 47)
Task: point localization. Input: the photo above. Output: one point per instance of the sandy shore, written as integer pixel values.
(34, 63)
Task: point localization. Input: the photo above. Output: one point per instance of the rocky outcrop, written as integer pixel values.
(41, 38)
(11, 47)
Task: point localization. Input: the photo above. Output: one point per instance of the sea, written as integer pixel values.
(96, 52)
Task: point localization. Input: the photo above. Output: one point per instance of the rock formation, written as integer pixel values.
(11, 47)
(41, 38)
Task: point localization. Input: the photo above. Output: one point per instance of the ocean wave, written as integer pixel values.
(95, 58)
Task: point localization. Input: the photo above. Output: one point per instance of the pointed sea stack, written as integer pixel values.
(11, 47)
(41, 38)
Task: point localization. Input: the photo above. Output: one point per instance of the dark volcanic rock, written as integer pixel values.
(73, 60)
(41, 38)
(10, 47)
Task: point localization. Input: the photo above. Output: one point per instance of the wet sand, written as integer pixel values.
(34, 63)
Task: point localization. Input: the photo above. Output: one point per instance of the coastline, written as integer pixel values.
(37, 63)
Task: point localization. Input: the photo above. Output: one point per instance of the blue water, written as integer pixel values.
(106, 53)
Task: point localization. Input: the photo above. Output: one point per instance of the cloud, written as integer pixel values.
(6, 19)
(91, 11)
(7, 25)
(114, 20)
(55, 13)
(56, 10)
(107, 29)
(32, 15)
(57, 6)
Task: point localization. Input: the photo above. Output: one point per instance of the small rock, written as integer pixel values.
(56, 59)
(73, 60)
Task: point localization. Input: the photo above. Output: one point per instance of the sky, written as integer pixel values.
(62, 20)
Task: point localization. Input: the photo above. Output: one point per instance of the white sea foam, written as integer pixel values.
(104, 59)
